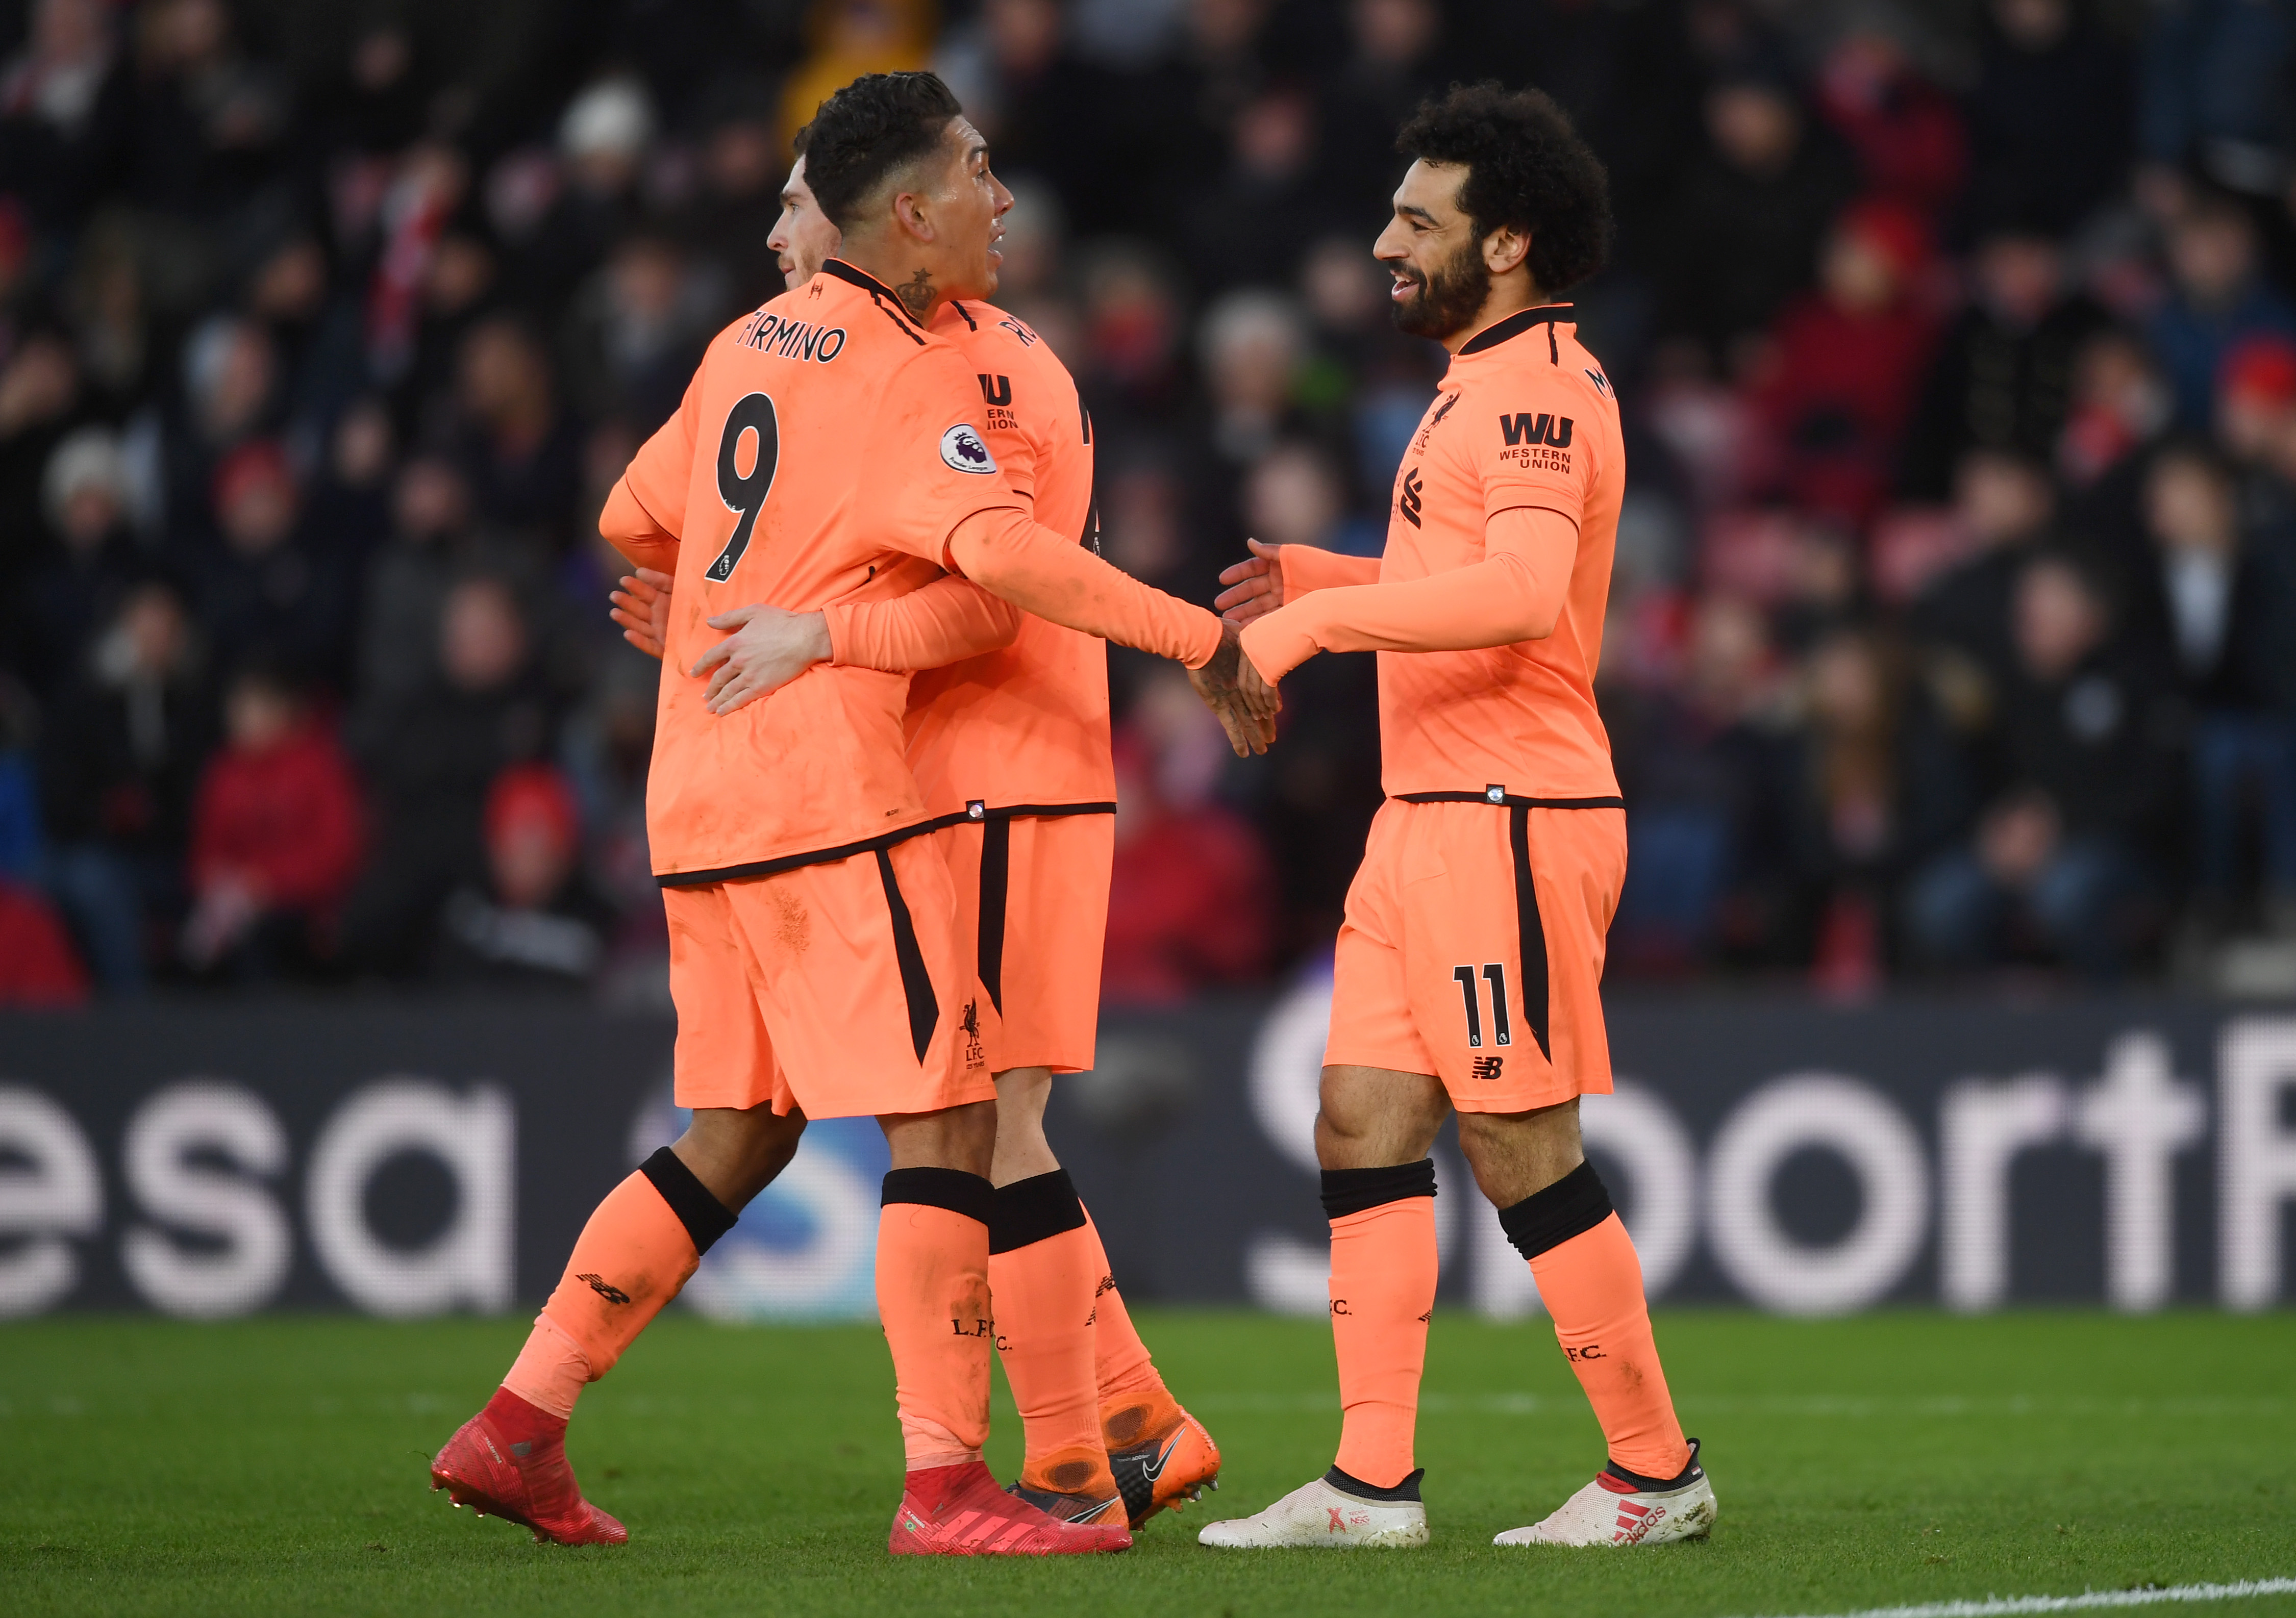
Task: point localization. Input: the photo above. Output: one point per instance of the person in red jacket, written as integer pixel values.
(37, 964)
(1191, 895)
(276, 833)
(1844, 364)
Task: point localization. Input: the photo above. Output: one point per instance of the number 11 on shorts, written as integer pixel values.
(1496, 975)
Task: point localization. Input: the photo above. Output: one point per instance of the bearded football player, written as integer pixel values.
(1469, 964)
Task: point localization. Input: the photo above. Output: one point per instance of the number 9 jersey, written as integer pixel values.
(825, 450)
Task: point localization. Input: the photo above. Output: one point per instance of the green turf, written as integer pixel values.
(277, 1466)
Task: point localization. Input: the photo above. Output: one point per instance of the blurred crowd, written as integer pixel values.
(1954, 621)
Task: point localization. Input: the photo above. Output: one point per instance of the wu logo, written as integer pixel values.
(1524, 427)
(996, 390)
(1412, 504)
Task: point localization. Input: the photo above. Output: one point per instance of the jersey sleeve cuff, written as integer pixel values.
(1277, 642)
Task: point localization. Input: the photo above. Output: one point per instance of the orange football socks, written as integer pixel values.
(1384, 1271)
(1592, 1284)
(1043, 1268)
(640, 1246)
(1121, 1365)
(933, 1297)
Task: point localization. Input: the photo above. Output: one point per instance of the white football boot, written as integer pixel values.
(1319, 1515)
(1611, 1510)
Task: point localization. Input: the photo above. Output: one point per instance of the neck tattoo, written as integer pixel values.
(916, 296)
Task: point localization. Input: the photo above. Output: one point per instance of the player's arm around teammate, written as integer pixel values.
(1011, 749)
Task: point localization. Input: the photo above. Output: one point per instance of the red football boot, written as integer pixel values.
(509, 1460)
(959, 1511)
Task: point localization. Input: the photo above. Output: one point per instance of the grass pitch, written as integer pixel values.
(278, 1466)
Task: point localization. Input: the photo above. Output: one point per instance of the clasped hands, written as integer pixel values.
(766, 648)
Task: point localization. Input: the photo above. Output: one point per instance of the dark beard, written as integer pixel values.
(1450, 296)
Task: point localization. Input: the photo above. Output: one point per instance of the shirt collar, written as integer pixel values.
(1514, 325)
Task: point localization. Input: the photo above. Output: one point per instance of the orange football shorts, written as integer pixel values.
(836, 988)
(1032, 920)
(1473, 950)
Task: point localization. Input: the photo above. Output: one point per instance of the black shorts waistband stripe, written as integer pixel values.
(794, 862)
(1346, 1191)
(846, 851)
(1022, 811)
(1034, 1210)
(953, 1189)
(697, 1207)
(1510, 800)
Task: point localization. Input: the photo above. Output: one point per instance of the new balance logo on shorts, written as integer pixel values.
(1487, 1068)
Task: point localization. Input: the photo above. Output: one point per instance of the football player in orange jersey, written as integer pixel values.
(1009, 735)
(829, 451)
(1469, 966)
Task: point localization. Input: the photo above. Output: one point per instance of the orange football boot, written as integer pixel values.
(1162, 1456)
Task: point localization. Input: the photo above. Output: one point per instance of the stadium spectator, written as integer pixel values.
(1745, 223)
(520, 451)
(120, 758)
(535, 924)
(2050, 121)
(2219, 296)
(40, 397)
(64, 111)
(2006, 507)
(38, 965)
(22, 839)
(1906, 131)
(1189, 904)
(2215, 96)
(1879, 787)
(2003, 372)
(429, 760)
(270, 582)
(95, 561)
(1706, 771)
(2120, 404)
(1837, 384)
(275, 836)
(2077, 773)
(637, 329)
(2214, 606)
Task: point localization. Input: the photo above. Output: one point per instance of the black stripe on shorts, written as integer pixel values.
(995, 880)
(1530, 932)
(916, 983)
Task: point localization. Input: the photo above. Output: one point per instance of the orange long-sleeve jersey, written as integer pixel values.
(1505, 517)
(826, 449)
(806, 459)
(1009, 710)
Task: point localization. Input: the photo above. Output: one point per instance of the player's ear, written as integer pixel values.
(1506, 248)
(911, 212)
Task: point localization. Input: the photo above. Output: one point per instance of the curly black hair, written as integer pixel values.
(1526, 168)
(879, 123)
